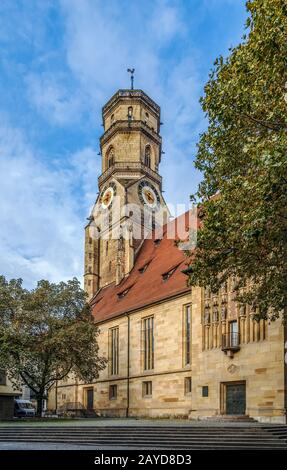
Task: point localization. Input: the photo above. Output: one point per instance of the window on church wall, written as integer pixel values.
(147, 389)
(187, 335)
(2, 377)
(111, 157)
(228, 322)
(205, 391)
(113, 392)
(146, 118)
(112, 118)
(147, 156)
(130, 113)
(114, 350)
(187, 385)
(148, 343)
(233, 333)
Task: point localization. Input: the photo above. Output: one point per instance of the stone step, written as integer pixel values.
(231, 418)
(223, 430)
(280, 434)
(144, 436)
(260, 437)
(179, 445)
(96, 432)
(142, 430)
(149, 437)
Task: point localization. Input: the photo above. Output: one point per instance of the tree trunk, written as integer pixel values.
(40, 404)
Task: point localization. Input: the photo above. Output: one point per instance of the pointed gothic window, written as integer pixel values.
(147, 156)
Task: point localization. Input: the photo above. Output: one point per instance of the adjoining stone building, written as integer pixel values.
(7, 395)
(171, 351)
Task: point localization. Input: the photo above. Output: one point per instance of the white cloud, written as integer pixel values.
(87, 165)
(56, 102)
(40, 235)
(43, 209)
(67, 81)
(101, 42)
(165, 23)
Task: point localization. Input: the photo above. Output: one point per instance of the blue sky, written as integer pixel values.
(60, 62)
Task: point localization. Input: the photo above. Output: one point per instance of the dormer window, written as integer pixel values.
(168, 274)
(124, 292)
(144, 268)
(147, 155)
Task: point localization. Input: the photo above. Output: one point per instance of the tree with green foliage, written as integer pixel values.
(46, 334)
(243, 157)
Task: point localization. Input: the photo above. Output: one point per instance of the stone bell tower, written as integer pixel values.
(130, 201)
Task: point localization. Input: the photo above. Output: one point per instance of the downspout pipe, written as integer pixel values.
(128, 369)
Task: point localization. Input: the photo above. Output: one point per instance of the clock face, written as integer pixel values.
(107, 195)
(148, 195)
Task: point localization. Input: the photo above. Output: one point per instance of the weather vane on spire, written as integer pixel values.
(132, 71)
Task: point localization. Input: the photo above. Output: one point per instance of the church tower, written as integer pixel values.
(130, 201)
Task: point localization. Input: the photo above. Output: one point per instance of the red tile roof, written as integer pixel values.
(147, 287)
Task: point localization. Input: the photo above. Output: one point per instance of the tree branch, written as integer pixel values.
(271, 126)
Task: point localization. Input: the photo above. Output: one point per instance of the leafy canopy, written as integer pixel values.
(243, 157)
(46, 334)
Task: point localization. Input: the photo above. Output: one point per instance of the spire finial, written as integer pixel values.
(131, 71)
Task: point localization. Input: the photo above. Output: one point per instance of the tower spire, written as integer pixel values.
(132, 71)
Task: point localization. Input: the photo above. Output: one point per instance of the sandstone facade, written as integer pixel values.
(162, 362)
